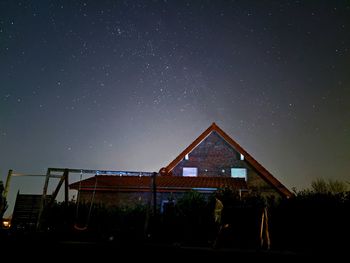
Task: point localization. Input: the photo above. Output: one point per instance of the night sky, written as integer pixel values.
(127, 85)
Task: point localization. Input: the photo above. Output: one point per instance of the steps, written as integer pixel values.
(26, 211)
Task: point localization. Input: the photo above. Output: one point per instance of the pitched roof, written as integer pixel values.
(266, 175)
(164, 183)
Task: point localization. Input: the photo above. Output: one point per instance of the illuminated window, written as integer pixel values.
(239, 173)
(187, 157)
(242, 157)
(190, 171)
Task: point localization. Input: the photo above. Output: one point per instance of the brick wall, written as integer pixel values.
(215, 157)
(257, 184)
(116, 198)
(129, 198)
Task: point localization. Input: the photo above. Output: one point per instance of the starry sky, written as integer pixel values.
(127, 85)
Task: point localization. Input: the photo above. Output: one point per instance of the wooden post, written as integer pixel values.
(66, 184)
(154, 190)
(264, 230)
(55, 193)
(47, 178)
(43, 198)
(268, 241)
(7, 184)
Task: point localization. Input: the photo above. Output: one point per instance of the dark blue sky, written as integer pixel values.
(127, 85)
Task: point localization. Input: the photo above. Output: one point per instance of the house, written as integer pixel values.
(132, 190)
(216, 154)
(211, 162)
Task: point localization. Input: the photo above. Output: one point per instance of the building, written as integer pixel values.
(215, 154)
(132, 190)
(211, 162)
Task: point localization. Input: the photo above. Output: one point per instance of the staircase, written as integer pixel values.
(26, 211)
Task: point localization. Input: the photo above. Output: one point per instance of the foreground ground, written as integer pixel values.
(43, 249)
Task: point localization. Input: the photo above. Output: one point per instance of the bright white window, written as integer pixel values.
(242, 157)
(187, 157)
(239, 173)
(190, 171)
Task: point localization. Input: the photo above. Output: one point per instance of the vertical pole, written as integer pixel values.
(66, 173)
(154, 189)
(268, 241)
(150, 206)
(47, 178)
(43, 198)
(262, 230)
(7, 184)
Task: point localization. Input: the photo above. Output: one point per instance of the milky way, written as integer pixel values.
(127, 85)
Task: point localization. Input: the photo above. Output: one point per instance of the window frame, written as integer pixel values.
(190, 169)
(239, 170)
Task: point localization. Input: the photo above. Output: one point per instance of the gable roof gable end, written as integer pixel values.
(266, 175)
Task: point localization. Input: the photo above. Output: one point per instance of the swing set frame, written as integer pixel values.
(63, 174)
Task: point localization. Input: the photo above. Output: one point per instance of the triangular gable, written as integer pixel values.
(266, 175)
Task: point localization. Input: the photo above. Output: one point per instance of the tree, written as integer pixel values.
(319, 186)
(322, 186)
(336, 187)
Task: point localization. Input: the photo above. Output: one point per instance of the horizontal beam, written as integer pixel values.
(85, 171)
(107, 172)
(51, 175)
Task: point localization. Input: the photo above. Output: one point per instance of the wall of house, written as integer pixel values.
(257, 184)
(215, 157)
(110, 198)
(129, 198)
